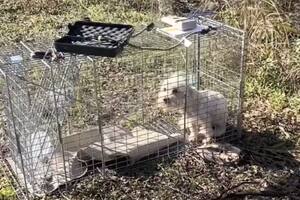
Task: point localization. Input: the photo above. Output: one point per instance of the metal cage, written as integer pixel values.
(80, 114)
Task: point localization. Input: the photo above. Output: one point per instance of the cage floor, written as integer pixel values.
(86, 147)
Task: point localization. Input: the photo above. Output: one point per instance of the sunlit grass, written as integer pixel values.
(273, 53)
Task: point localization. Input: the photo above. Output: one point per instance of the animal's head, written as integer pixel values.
(172, 91)
(174, 96)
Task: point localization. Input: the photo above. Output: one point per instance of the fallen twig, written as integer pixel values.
(225, 193)
(263, 193)
(178, 191)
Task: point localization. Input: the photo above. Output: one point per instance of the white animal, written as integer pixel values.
(65, 98)
(206, 110)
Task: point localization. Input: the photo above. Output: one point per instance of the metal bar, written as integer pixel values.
(98, 100)
(57, 122)
(15, 184)
(38, 93)
(142, 85)
(242, 82)
(1, 70)
(17, 137)
(185, 96)
(43, 80)
(44, 102)
(217, 80)
(241, 32)
(198, 61)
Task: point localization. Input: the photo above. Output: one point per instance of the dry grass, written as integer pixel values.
(273, 57)
(272, 114)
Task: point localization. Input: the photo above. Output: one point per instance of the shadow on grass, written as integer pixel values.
(267, 150)
(151, 164)
(273, 153)
(285, 188)
(264, 149)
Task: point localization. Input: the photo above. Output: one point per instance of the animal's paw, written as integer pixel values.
(207, 140)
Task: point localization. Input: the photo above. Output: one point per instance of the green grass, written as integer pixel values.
(272, 86)
(273, 57)
(6, 191)
(276, 98)
(21, 21)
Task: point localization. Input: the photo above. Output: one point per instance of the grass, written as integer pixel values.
(6, 191)
(28, 19)
(273, 51)
(272, 107)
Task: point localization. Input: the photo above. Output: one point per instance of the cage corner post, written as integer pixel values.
(242, 83)
(17, 137)
(99, 110)
(198, 58)
(185, 96)
(59, 129)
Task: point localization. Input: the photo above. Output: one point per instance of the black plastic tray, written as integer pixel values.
(93, 38)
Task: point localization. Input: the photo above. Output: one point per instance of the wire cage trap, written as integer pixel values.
(81, 114)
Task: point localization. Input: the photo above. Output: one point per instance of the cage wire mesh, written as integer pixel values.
(67, 118)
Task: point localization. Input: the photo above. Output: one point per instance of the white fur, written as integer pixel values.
(206, 110)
